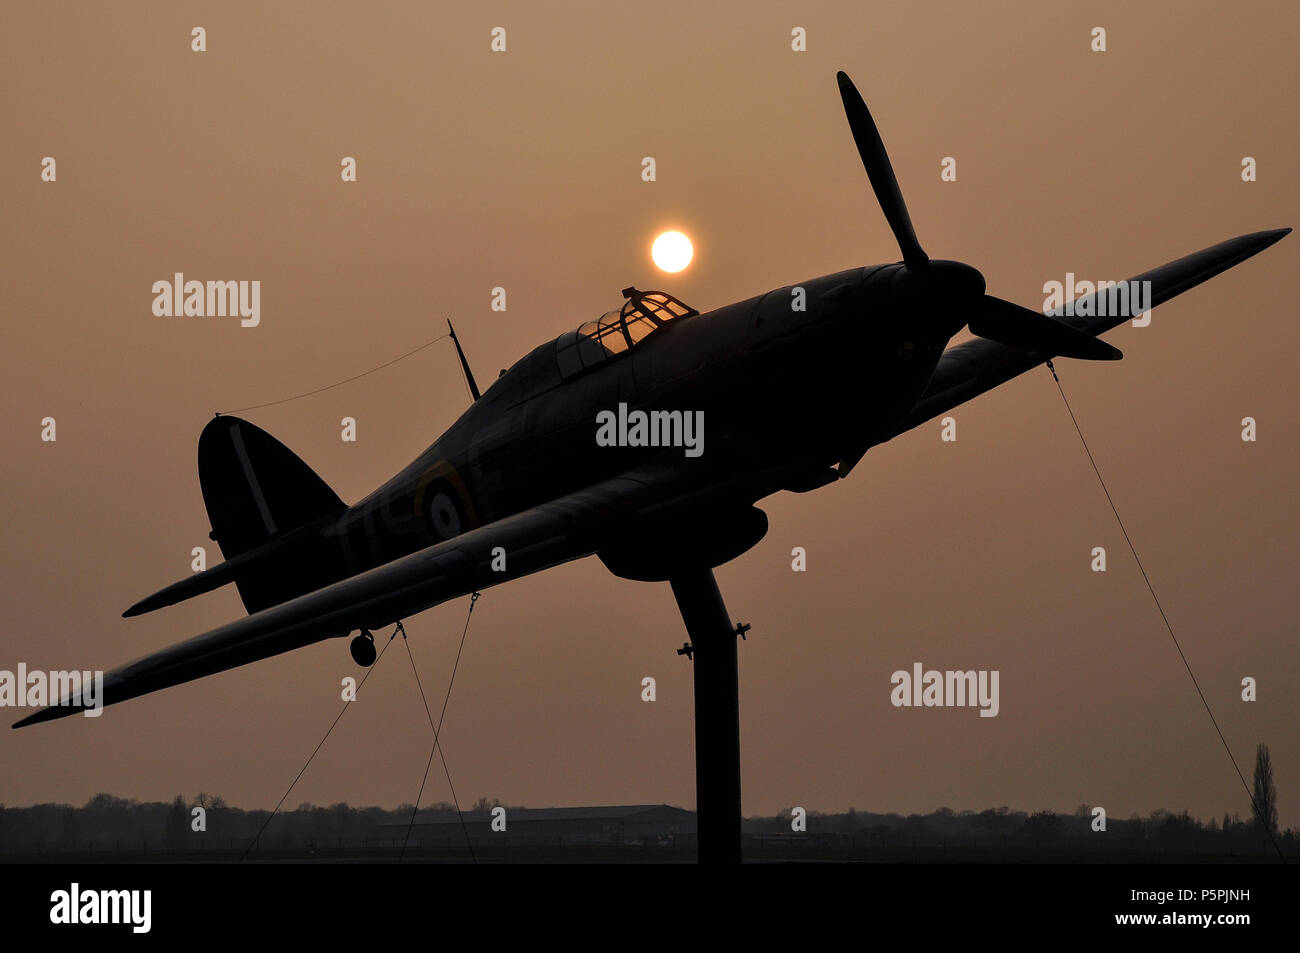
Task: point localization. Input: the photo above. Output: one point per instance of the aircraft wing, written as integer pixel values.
(554, 532)
(973, 367)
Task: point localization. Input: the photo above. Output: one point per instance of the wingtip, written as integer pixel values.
(140, 607)
(1254, 242)
(48, 713)
(1270, 236)
(1107, 352)
(1112, 352)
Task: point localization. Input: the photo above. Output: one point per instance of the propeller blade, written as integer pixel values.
(1010, 324)
(881, 173)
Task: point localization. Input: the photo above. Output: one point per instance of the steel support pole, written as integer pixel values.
(717, 715)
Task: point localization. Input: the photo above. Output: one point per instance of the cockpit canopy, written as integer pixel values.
(617, 331)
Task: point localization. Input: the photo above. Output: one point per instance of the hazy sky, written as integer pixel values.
(522, 169)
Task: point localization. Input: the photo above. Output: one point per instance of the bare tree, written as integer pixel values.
(1265, 806)
(178, 822)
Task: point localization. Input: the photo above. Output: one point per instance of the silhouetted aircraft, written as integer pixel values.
(793, 393)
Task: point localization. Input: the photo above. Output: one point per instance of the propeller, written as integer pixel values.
(955, 283)
(1010, 324)
(876, 160)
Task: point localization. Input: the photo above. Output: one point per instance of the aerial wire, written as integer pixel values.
(1147, 579)
(347, 380)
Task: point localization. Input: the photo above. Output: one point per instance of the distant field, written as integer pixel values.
(639, 855)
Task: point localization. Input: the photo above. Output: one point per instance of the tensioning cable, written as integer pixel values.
(1156, 599)
(437, 732)
(332, 726)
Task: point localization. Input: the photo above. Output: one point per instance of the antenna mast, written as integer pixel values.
(464, 364)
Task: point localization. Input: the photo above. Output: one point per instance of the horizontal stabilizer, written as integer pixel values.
(188, 588)
(248, 564)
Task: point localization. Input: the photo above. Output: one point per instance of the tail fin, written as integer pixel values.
(256, 489)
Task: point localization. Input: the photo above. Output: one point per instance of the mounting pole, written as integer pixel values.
(717, 714)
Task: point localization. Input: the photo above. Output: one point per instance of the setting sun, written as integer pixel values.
(672, 251)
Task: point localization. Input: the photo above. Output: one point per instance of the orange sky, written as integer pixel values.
(522, 170)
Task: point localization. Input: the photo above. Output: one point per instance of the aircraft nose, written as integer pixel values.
(939, 283)
(938, 295)
(954, 279)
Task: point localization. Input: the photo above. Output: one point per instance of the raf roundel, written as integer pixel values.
(444, 515)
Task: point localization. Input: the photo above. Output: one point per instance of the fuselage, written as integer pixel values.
(810, 373)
